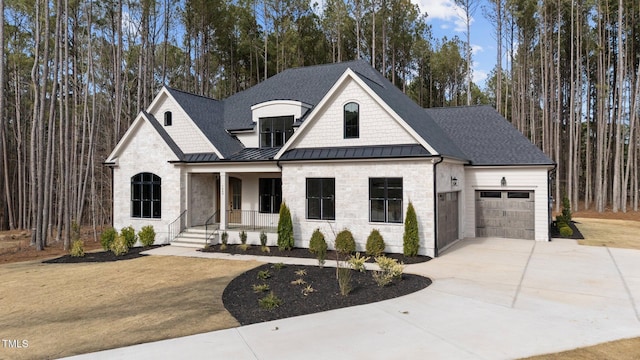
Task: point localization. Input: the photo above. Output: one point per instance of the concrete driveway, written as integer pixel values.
(491, 299)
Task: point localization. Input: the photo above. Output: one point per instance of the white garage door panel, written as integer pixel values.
(508, 214)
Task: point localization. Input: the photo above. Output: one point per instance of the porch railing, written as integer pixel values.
(177, 225)
(252, 220)
(211, 227)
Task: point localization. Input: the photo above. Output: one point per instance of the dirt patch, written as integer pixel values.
(15, 246)
(68, 309)
(609, 232)
(322, 292)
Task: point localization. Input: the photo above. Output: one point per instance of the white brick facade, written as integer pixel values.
(352, 200)
(146, 152)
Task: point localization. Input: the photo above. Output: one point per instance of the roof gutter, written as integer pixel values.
(435, 207)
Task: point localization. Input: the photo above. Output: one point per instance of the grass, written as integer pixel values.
(608, 232)
(626, 349)
(69, 309)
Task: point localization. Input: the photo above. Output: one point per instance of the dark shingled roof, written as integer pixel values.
(164, 135)
(486, 137)
(207, 114)
(305, 84)
(477, 134)
(356, 152)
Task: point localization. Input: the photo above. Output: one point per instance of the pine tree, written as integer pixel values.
(411, 238)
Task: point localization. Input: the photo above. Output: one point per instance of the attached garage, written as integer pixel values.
(448, 219)
(506, 214)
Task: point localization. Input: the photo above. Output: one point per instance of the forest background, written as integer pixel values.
(75, 74)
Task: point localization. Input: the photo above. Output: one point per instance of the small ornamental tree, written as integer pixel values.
(411, 238)
(285, 228)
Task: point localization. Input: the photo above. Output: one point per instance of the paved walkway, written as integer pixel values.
(490, 299)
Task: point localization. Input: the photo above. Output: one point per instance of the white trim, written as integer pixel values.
(280, 102)
(325, 100)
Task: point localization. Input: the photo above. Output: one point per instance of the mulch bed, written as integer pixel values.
(241, 301)
(304, 253)
(101, 256)
(577, 235)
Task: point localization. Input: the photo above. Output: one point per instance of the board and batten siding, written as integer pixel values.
(517, 178)
(146, 152)
(376, 125)
(183, 131)
(352, 200)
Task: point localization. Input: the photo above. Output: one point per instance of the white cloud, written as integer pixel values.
(444, 10)
(479, 76)
(475, 48)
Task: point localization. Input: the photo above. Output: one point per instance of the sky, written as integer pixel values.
(446, 19)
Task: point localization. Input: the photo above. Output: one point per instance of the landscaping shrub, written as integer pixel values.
(411, 237)
(357, 262)
(375, 243)
(224, 238)
(318, 246)
(566, 231)
(390, 270)
(119, 246)
(129, 234)
(285, 229)
(566, 208)
(345, 244)
(243, 237)
(107, 237)
(147, 235)
(77, 248)
(263, 242)
(270, 301)
(344, 280)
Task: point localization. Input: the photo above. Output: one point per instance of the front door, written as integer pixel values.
(235, 201)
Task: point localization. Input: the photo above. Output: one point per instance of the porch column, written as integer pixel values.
(224, 199)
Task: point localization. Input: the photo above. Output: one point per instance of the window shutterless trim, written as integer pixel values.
(384, 196)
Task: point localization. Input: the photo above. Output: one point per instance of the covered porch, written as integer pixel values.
(231, 199)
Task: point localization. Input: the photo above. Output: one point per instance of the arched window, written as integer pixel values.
(351, 121)
(146, 196)
(167, 118)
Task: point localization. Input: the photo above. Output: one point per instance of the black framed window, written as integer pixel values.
(385, 200)
(146, 196)
(275, 131)
(351, 121)
(321, 202)
(168, 121)
(270, 195)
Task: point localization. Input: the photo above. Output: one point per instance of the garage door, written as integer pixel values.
(447, 219)
(507, 214)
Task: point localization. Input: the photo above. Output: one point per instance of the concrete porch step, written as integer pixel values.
(194, 237)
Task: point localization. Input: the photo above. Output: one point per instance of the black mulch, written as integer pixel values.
(101, 256)
(242, 302)
(304, 253)
(577, 235)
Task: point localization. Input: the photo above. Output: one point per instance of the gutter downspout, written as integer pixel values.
(550, 204)
(435, 208)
